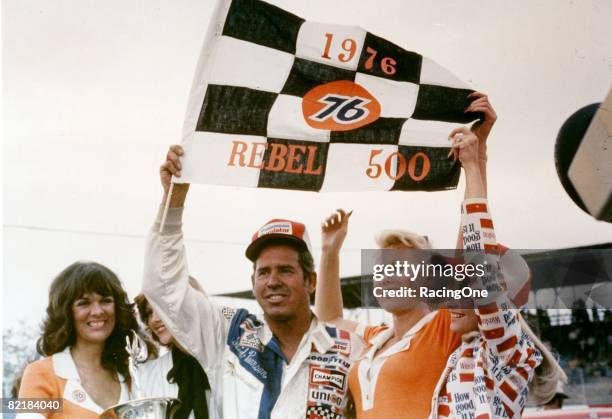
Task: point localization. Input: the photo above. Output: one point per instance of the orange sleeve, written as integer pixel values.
(39, 380)
(371, 331)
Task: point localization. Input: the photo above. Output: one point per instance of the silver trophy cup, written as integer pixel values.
(154, 408)
(141, 408)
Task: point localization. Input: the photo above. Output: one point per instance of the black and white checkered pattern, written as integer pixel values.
(258, 63)
(321, 412)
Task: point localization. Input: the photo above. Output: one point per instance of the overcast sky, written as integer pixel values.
(94, 92)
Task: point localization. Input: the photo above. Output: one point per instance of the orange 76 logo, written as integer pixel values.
(342, 109)
(339, 106)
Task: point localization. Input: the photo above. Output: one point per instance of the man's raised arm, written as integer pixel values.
(199, 326)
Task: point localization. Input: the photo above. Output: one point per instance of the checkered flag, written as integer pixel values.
(321, 412)
(280, 102)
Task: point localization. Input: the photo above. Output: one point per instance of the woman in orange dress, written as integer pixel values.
(84, 335)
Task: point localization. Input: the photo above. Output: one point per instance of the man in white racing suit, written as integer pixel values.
(286, 365)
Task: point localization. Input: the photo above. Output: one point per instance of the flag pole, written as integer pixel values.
(166, 206)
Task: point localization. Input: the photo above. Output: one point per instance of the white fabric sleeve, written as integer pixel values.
(200, 326)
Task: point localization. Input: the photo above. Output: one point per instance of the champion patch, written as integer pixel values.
(320, 376)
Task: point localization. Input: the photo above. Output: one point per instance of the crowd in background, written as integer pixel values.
(584, 345)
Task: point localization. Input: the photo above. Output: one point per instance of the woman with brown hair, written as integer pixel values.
(84, 335)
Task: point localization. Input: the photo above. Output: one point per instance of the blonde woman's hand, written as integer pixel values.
(334, 229)
(465, 145)
(482, 128)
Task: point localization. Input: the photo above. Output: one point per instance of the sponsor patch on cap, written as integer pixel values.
(277, 227)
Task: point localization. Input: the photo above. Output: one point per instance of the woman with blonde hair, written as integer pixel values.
(490, 374)
(386, 379)
(412, 353)
(397, 374)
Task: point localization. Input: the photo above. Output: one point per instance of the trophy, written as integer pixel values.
(139, 407)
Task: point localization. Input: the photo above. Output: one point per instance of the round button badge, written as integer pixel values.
(78, 396)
